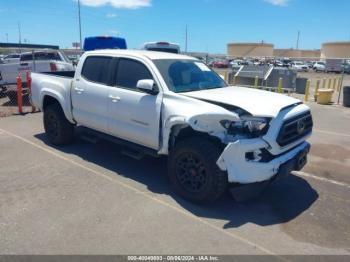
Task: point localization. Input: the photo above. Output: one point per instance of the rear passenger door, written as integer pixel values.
(134, 114)
(90, 93)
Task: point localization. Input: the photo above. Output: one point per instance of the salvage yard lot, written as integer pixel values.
(89, 199)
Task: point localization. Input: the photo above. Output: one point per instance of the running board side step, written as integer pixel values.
(133, 154)
(128, 148)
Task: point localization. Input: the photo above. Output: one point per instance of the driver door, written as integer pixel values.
(134, 114)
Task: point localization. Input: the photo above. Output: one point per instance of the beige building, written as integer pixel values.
(250, 50)
(336, 50)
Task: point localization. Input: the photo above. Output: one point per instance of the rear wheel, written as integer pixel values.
(193, 171)
(57, 128)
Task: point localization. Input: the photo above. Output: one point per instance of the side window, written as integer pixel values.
(97, 69)
(27, 57)
(129, 72)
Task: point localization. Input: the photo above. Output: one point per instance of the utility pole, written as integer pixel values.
(19, 36)
(298, 40)
(186, 43)
(79, 24)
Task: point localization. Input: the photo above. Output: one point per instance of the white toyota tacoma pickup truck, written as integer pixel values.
(215, 136)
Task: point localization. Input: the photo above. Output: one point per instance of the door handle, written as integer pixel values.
(115, 99)
(79, 90)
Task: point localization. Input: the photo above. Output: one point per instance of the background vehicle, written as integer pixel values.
(162, 47)
(334, 66)
(12, 58)
(299, 66)
(286, 62)
(220, 64)
(278, 63)
(104, 42)
(74, 59)
(236, 62)
(319, 67)
(346, 68)
(44, 61)
(174, 105)
(310, 64)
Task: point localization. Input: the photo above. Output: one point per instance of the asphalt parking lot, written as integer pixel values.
(90, 199)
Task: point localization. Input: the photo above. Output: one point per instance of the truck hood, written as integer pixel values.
(256, 102)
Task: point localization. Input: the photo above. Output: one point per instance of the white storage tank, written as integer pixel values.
(336, 50)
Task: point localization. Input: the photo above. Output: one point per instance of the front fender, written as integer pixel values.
(207, 123)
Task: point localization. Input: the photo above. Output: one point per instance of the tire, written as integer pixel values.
(57, 128)
(193, 172)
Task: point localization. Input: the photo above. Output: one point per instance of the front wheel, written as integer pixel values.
(57, 128)
(193, 171)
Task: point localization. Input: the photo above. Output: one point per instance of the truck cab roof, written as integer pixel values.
(140, 54)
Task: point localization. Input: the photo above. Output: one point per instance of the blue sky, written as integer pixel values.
(211, 23)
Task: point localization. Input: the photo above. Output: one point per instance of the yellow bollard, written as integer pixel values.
(280, 85)
(333, 84)
(318, 83)
(336, 84)
(256, 82)
(324, 83)
(328, 83)
(307, 90)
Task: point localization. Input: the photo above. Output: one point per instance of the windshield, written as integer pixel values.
(188, 75)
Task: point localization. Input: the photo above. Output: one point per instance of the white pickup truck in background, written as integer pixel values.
(37, 61)
(215, 136)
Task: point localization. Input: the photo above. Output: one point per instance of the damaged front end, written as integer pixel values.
(252, 156)
(247, 159)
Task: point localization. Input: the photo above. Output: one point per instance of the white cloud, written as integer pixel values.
(278, 2)
(127, 4)
(114, 32)
(111, 15)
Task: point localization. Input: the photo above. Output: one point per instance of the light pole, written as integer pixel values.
(7, 38)
(298, 38)
(186, 44)
(79, 24)
(20, 37)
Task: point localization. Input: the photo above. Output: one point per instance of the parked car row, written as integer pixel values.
(327, 66)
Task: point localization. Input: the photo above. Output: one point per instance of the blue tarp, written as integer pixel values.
(104, 42)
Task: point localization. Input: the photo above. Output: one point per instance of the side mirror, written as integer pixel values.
(148, 86)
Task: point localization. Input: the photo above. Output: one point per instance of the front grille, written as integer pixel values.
(295, 128)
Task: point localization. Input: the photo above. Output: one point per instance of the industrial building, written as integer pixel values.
(18, 48)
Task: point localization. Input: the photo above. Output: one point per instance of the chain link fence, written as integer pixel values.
(13, 102)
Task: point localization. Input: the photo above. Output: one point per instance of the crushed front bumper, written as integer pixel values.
(251, 178)
(242, 171)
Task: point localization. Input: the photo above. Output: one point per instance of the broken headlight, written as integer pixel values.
(254, 127)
